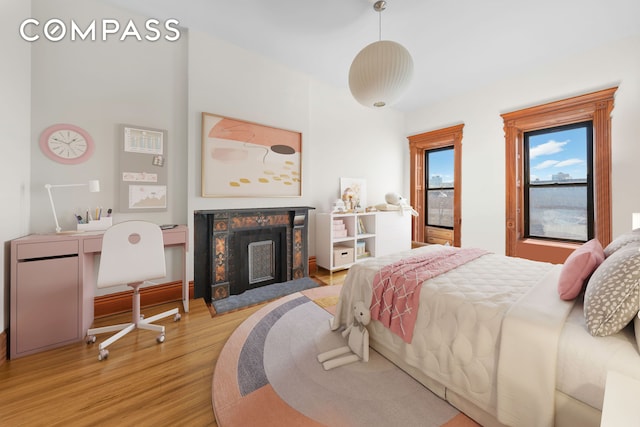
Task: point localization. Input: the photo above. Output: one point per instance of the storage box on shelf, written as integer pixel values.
(345, 238)
(339, 228)
(342, 255)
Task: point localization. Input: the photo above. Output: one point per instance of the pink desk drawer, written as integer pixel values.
(92, 244)
(46, 249)
(176, 236)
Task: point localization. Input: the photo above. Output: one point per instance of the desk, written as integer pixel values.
(53, 287)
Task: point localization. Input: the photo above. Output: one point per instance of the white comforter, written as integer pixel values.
(459, 325)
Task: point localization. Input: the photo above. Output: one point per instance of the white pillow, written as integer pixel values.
(626, 240)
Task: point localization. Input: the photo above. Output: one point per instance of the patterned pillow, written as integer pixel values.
(636, 326)
(612, 297)
(632, 238)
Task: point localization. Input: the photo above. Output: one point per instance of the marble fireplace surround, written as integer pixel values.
(220, 247)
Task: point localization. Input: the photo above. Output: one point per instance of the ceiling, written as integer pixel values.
(457, 45)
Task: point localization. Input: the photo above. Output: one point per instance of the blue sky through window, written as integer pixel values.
(441, 165)
(561, 154)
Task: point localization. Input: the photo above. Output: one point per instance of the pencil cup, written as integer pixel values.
(96, 225)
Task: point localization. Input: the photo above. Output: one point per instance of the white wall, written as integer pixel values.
(98, 86)
(15, 71)
(353, 141)
(340, 138)
(168, 85)
(483, 163)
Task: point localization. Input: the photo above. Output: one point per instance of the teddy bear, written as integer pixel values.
(398, 200)
(358, 341)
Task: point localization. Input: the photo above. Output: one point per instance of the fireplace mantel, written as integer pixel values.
(218, 235)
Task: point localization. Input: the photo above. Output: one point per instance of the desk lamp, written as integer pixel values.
(94, 187)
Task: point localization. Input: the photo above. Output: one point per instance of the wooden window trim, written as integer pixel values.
(595, 106)
(418, 144)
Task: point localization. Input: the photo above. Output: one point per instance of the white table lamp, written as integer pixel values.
(94, 187)
(635, 220)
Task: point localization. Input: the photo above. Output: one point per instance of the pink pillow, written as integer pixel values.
(578, 267)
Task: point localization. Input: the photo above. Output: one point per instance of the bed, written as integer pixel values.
(493, 337)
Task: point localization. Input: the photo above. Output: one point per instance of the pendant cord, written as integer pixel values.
(380, 6)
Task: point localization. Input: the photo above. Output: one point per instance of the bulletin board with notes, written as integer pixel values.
(143, 169)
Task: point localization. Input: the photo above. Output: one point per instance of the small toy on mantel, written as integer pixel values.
(398, 200)
(358, 348)
(350, 199)
(338, 207)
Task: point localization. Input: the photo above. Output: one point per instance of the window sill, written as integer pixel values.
(545, 250)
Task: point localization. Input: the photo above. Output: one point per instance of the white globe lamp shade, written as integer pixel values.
(380, 73)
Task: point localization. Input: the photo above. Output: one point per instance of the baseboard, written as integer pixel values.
(3, 347)
(313, 267)
(120, 302)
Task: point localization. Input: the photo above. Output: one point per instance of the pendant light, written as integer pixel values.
(382, 71)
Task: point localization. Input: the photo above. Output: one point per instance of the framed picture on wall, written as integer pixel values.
(244, 159)
(353, 192)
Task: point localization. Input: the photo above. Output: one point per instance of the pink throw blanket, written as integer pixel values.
(396, 287)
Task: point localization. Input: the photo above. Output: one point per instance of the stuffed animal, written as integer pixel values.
(358, 340)
(398, 200)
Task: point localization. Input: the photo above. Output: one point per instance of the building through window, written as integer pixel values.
(436, 185)
(440, 178)
(558, 195)
(558, 176)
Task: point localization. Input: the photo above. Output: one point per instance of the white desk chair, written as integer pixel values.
(132, 253)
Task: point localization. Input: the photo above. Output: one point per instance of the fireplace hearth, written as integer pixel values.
(241, 249)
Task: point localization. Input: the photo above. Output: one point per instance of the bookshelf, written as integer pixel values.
(343, 239)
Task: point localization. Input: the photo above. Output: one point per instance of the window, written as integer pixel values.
(558, 195)
(529, 234)
(446, 146)
(439, 178)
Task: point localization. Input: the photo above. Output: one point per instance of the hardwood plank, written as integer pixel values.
(335, 278)
(141, 383)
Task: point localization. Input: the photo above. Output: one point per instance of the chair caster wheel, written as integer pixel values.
(160, 338)
(90, 339)
(177, 317)
(103, 354)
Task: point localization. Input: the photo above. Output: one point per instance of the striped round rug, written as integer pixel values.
(268, 375)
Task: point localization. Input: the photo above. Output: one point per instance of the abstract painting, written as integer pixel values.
(244, 159)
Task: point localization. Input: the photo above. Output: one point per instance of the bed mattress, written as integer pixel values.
(584, 360)
(457, 332)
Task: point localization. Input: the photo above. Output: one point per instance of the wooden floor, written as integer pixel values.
(142, 383)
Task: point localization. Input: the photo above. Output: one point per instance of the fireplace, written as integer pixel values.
(258, 258)
(241, 249)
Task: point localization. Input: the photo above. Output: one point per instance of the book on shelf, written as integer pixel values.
(361, 227)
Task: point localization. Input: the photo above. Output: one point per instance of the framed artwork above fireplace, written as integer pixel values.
(244, 159)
